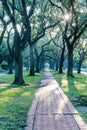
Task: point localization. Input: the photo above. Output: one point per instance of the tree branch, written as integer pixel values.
(3, 32)
(55, 5)
(31, 12)
(57, 44)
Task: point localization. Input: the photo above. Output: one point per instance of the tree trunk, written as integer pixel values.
(37, 66)
(10, 67)
(56, 65)
(79, 67)
(17, 42)
(70, 62)
(32, 72)
(18, 61)
(61, 65)
(18, 71)
(61, 61)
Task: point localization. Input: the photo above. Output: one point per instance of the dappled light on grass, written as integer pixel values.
(6, 78)
(15, 101)
(14, 105)
(26, 94)
(79, 86)
(5, 100)
(82, 88)
(4, 85)
(74, 88)
(64, 83)
(11, 92)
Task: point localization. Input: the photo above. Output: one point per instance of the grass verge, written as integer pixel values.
(15, 101)
(75, 89)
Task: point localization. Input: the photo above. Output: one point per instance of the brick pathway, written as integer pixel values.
(52, 110)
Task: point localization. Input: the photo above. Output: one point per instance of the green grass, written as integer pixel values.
(75, 89)
(15, 101)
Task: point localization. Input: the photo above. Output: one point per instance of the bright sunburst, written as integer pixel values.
(66, 17)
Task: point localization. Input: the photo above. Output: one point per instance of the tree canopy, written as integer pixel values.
(25, 23)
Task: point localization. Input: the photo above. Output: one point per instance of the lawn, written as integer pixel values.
(15, 101)
(75, 89)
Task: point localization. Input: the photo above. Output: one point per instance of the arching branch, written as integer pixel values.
(56, 5)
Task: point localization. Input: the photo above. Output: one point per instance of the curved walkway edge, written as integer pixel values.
(52, 110)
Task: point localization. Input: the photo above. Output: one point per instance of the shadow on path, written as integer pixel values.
(52, 110)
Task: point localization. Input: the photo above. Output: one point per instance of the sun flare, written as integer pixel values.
(66, 17)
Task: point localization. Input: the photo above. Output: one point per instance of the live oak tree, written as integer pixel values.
(74, 23)
(33, 21)
(34, 18)
(18, 41)
(36, 22)
(4, 22)
(81, 53)
(74, 28)
(40, 51)
(82, 56)
(4, 55)
(10, 51)
(54, 55)
(59, 42)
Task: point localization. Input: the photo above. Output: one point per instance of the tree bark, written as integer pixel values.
(37, 65)
(18, 61)
(61, 60)
(70, 62)
(10, 67)
(17, 50)
(56, 65)
(18, 71)
(61, 65)
(79, 67)
(32, 72)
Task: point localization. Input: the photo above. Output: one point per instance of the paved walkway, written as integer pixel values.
(52, 110)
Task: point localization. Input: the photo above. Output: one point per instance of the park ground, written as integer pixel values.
(15, 101)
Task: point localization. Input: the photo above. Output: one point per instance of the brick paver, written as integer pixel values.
(52, 110)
